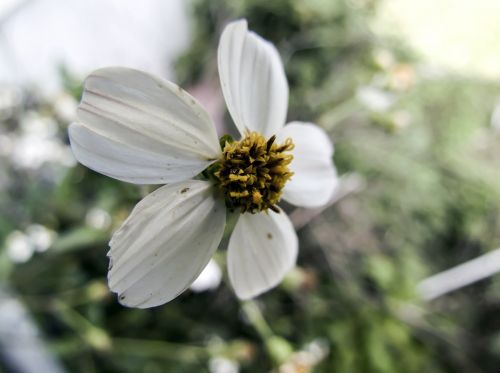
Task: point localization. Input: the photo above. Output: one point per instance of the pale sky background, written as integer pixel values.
(37, 35)
(462, 35)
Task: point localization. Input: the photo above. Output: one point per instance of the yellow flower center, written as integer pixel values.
(253, 172)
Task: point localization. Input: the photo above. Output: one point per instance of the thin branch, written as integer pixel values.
(348, 184)
(460, 276)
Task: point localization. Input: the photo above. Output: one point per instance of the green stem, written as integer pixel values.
(95, 337)
(277, 347)
(256, 319)
(160, 349)
(341, 112)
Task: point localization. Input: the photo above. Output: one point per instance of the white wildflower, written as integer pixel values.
(40, 237)
(22, 245)
(37, 143)
(137, 128)
(19, 248)
(209, 278)
(65, 107)
(495, 117)
(98, 218)
(223, 365)
(375, 99)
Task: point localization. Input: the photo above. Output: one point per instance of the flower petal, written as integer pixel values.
(128, 163)
(253, 80)
(315, 177)
(151, 119)
(165, 243)
(262, 249)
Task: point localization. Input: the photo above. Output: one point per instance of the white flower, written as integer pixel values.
(98, 218)
(18, 246)
(22, 245)
(137, 128)
(40, 237)
(209, 278)
(37, 143)
(222, 365)
(375, 99)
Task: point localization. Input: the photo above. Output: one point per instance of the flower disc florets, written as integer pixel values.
(253, 172)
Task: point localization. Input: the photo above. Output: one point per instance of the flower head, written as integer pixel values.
(253, 172)
(138, 128)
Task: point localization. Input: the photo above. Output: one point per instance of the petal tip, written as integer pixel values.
(239, 24)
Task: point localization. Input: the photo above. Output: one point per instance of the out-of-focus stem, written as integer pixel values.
(460, 276)
(348, 184)
(94, 336)
(277, 347)
(341, 112)
(255, 317)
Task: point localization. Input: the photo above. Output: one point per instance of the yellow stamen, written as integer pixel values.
(253, 172)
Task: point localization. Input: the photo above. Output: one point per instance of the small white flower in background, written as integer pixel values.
(22, 245)
(37, 143)
(10, 99)
(65, 107)
(306, 359)
(495, 117)
(375, 99)
(40, 237)
(19, 249)
(137, 128)
(98, 218)
(209, 278)
(223, 365)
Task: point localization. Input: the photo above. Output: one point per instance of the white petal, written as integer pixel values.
(262, 249)
(165, 243)
(127, 163)
(253, 80)
(156, 132)
(315, 177)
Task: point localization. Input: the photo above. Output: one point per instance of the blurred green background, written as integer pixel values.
(417, 149)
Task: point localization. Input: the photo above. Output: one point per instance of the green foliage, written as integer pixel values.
(429, 160)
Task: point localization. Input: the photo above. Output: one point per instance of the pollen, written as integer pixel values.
(253, 172)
